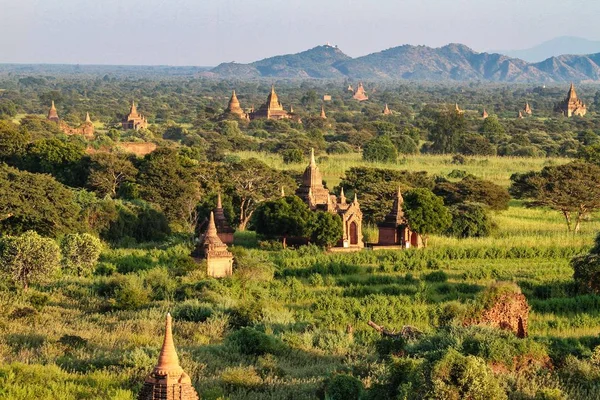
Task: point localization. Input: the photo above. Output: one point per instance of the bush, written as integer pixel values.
(436, 276)
(586, 270)
(380, 149)
(343, 387)
(470, 220)
(241, 378)
(251, 342)
(80, 253)
(192, 311)
(123, 292)
(292, 156)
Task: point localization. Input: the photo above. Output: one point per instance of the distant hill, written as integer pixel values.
(317, 62)
(452, 62)
(554, 48)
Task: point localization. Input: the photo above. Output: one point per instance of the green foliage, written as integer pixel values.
(405, 144)
(425, 212)
(446, 132)
(343, 387)
(474, 190)
(107, 172)
(586, 270)
(476, 145)
(380, 149)
(80, 253)
(62, 159)
(28, 258)
(251, 342)
(123, 292)
(325, 229)
(490, 296)
(286, 216)
(470, 220)
(291, 156)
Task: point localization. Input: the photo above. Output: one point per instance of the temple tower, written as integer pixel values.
(571, 105)
(134, 120)
(527, 109)
(168, 381)
(52, 114)
(386, 110)
(485, 114)
(360, 93)
(323, 115)
(394, 230)
(219, 261)
(234, 107)
(272, 109)
(224, 230)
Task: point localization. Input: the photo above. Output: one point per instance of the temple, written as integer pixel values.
(485, 114)
(86, 129)
(323, 115)
(394, 230)
(527, 109)
(272, 109)
(224, 230)
(234, 108)
(571, 105)
(313, 193)
(386, 110)
(134, 120)
(360, 93)
(168, 381)
(457, 109)
(219, 261)
(520, 115)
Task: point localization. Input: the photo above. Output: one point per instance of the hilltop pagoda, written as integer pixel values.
(52, 114)
(318, 198)
(394, 230)
(360, 93)
(386, 110)
(323, 115)
(272, 109)
(234, 108)
(485, 114)
(134, 120)
(168, 381)
(571, 105)
(527, 109)
(219, 261)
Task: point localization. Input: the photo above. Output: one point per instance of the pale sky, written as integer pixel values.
(208, 32)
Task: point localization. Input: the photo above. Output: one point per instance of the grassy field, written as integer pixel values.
(97, 337)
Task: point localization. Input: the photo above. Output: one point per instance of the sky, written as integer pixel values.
(208, 32)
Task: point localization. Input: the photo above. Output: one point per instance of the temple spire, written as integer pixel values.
(211, 232)
(52, 113)
(313, 163)
(219, 203)
(52, 107)
(282, 192)
(323, 115)
(168, 362)
(572, 93)
(342, 196)
(355, 198)
(87, 118)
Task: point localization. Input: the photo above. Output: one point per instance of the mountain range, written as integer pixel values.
(554, 48)
(451, 62)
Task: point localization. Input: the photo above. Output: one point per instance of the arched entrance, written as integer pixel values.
(414, 239)
(353, 233)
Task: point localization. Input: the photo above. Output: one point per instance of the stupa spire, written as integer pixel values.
(342, 196)
(168, 361)
(211, 232)
(355, 198)
(282, 192)
(219, 203)
(52, 113)
(313, 163)
(87, 118)
(323, 115)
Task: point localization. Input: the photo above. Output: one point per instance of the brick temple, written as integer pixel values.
(219, 261)
(134, 120)
(394, 230)
(85, 129)
(571, 105)
(272, 109)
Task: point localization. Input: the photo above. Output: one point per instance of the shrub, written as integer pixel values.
(380, 149)
(28, 258)
(436, 276)
(123, 292)
(192, 311)
(586, 270)
(241, 378)
(105, 269)
(80, 253)
(470, 220)
(251, 342)
(160, 284)
(292, 156)
(38, 300)
(343, 387)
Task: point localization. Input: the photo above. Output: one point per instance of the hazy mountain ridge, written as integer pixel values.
(555, 47)
(451, 62)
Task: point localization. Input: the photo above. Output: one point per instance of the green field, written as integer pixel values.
(82, 338)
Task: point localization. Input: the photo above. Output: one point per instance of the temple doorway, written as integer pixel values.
(414, 239)
(353, 233)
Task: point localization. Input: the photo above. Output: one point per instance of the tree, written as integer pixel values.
(29, 258)
(108, 171)
(425, 213)
(470, 220)
(80, 253)
(286, 216)
(66, 161)
(476, 145)
(492, 129)
(474, 190)
(405, 144)
(253, 182)
(380, 149)
(325, 229)
(12, 141)
(446, 132)
(291, 156)
(586, 269)
(573, 189)
(590, 153)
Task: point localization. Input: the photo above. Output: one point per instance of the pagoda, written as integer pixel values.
(394, 230)
(272, 109)
(386, 110)
(360, 93)
(485, 114)
(527, 109)
(457, 109)
(224, 230)
(520, 115)
(323, 115)
(571, 105)
(52, 114)
(219, 261)
(318, 198)
(234, 107)
(168, 381)
(87, 128)
(134, 120)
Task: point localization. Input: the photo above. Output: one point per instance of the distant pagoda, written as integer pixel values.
(527, 109)
(485, 114)
(323, 115)
(360, 93)
(234, 107)
(219, 261)
(134, 120)
(571, 105)
(386, 110)
(86, 129)
(224, 230)
(53, 114)
(394, 230)
(272, 109)
(168, 381)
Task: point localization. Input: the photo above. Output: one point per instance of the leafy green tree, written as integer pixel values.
(80, 253)
(474, 190)
(590, 153)
(252, 182)
(325, 229)
(586, 270)
(470, 220)
(343, 387)
(573, 189)
(8, 109)
(405, 144)
(426, 213)
(13, 141)
(29, 258)
(291, 156)
(36, 202)
(445, 134)
(284, 217)
(476, 145)
(66, 161)
(492, 129)
(380, 149)
(108, 172)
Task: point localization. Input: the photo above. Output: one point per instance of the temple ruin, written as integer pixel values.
(134, 120)
(571, 105)
(394, 230)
